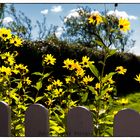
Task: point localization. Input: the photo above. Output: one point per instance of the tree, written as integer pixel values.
(2, 7)
(21, 24)
(78, 29)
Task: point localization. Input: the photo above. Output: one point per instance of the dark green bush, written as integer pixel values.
(31, 55)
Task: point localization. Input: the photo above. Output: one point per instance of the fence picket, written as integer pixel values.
(79, 122)
(36, 121)
(127, 123)
(5, 120)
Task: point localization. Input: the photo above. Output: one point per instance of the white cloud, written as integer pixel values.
(56, 9)
(121, 14)
(7, 20)
(72, 13)
(44, 12)
(59, 31)
(95, 12)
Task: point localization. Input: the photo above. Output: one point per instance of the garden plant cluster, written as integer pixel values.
(74, 89)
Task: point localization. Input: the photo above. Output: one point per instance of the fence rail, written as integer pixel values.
(79, 122)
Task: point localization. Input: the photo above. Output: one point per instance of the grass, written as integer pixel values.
(133, 101)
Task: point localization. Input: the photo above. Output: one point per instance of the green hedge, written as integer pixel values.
(31, 55)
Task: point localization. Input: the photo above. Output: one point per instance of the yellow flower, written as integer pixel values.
(106, 97)
(85, 61)
(76, 65)
(87, 79)
(111, 81)
(7, 70)
(124, 24)
(15, 71)
(69, 80)
(49, 59)
(137, 78)
(27, 81)
(9, 58)
(16, 41)
(97, 86)
(50, 101)
(123, 101)
(20, 68)
(5, 55)
(5, 34)
(80, 72)
(57, 83)
(110, 89)
(49, 87)
(58, 92)
(68, 63)
(120, 70)
(95, 18)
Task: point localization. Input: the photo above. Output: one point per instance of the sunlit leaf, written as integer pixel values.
(37, 73)
(39, 98)
(84, 97)
(94, 70)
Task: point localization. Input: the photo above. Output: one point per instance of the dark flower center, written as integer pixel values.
(4, 35)
(85, 63)
(121, 26)
(69, 66)
(94, 17)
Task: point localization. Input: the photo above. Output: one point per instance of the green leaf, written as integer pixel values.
(57, 117)
(32, 99)
(109, 134)
(39, 98)
(38, 85)
(55, 128)
(52, 122)
(104, 80)
(94, 70)
(101, 44)
(92, 89)
(101, 62)
(46, 75)
(19, 85)
(104, 19)
(18, 127)
(84, 97)
(111, 52)
(13, 91)
(38, 73)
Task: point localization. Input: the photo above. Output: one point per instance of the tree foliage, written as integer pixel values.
(78, 29)
(2, 7)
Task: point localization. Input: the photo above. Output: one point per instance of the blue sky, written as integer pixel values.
(53, 12)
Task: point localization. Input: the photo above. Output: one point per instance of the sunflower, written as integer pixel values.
(5, 34)
(137, 78)
(49, 59)
(120, 70)
(124, 24)
(95, 18)
(16, 41)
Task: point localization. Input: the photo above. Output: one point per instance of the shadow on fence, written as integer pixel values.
(79, 122)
